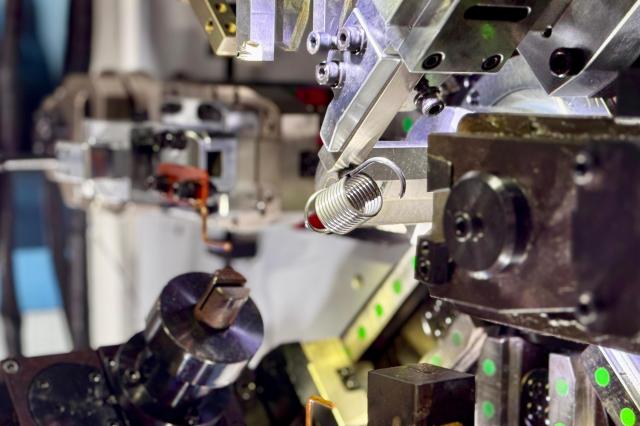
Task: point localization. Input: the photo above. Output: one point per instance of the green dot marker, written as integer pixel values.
(407, 124)
(488, 409)
(456, 338)
(379, 310)
(489, 367)
(436, 360)
(397, 286)
(562, 387)
(414, 262)
(627, 417)
(488, 31)
(559, 424)
(362, 333)
(602, 376)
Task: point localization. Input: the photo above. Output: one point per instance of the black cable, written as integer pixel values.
(12, 320)
(9, 87)
(67, 239)
(78, 55)
(9, 142)
(77, 285)
(230, 70)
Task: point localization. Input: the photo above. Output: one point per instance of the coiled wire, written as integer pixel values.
(350, 202)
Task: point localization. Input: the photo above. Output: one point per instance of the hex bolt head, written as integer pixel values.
(351, 39)
(429, 105)
(432, 106)
(319, 41)
(10, 366)
(330, 74)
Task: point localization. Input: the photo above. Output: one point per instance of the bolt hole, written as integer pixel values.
(433, 61)
(424, 267)
(436, 109)
(584, 309)
(467, 227)
(463, 227)
(424, 247)
(492, 62)
(343, 37)
(587, 308)
(583, 168)
(230, 27)
(357, 282)
(547, 31)
(566, 61)
(560, 63)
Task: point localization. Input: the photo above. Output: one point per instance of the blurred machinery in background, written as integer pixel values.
(476, 163)
(129, 137)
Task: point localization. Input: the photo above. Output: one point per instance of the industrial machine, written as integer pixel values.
(442, 230)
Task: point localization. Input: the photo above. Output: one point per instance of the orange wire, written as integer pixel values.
(312, 402)
(218, 245)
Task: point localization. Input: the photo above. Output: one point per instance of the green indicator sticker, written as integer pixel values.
(489, 367)
(456, 338)
(627, 417)
(414, 262)
(379, 310)
(602, 377)
(559, 424)
(488, 409)
(488, 31)
(362, 333)
(397, 286)
(436, 360)
(407, 124)
(562, 387)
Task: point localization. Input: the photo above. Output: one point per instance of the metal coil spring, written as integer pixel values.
(350, 202)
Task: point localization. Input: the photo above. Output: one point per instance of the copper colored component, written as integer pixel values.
(177, 174)
(221, 303)
(311, 403)
(218, 245)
